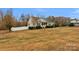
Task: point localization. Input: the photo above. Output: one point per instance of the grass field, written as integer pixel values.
(51, 39)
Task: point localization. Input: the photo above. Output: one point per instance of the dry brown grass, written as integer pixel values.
(51, 39)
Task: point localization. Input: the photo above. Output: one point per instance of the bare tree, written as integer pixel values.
(1, 18)
(8, 20)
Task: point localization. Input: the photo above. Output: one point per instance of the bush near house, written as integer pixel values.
(71, 24)
(49, 26)
(38, 27)
(31, 28)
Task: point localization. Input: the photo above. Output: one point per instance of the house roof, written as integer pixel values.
(74, 21)
(32, 20)
(42, 20)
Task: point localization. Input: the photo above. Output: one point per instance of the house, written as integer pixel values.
(42, 22)
(50, 21)
(74, 22)
(33, 21)
(50, 24)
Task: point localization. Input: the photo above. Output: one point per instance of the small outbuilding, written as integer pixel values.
(19, 28)
(74, 22)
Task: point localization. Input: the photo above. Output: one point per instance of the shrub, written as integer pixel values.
(49, 26)
(31, 28)
(38, 27)
(8, 26)
(71, 24)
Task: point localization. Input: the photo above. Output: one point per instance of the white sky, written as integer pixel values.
(40, 3)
